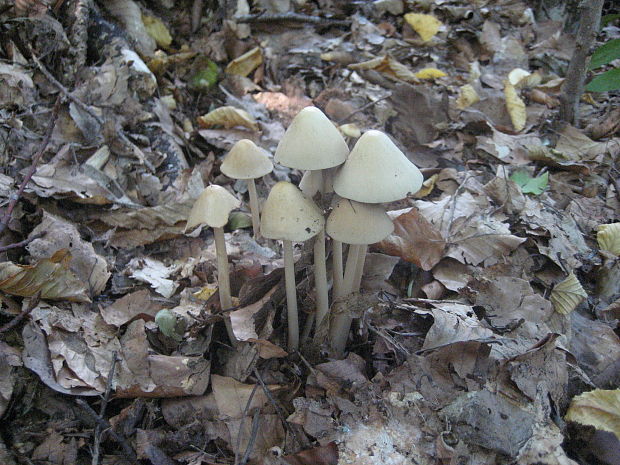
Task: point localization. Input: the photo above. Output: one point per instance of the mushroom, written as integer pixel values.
(212, 208)
(312, 142)
(290, 216)
(358, 224)
(376, 171)
(247, 161)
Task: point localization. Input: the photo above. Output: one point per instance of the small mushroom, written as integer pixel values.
(358, 224)
(312, 142)
(290, 216)
(212, 208)
(247, 161)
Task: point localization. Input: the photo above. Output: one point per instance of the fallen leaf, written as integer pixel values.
(608, 238)
(50, 276)
(157, 30)
(599, 408)
(467, 97)
(515, 106)
(430, 73)
(389, 66)
(425, 25)
(567, 294)
(246, 63)
(528, 184)
(228, 117)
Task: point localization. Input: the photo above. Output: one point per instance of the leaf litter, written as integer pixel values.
(487, 326)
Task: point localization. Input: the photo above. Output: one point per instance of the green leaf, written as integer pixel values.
(605, 20)
(166, 321)
(609, 80)
(205, 76)
(606, 53)
(528, 184)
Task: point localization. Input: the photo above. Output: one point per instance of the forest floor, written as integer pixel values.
(489, 313)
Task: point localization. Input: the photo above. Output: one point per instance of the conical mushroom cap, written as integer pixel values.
(353, 222)
(311, 142)
(212, 207)
(246, 161)
(377, 171)
(289, 215)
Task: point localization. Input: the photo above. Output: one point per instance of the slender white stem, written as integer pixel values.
(320, 277)
(291, 295)
(223, 279)
(359, 269)
(254, 208)
(305, 334)
(350, 269)
(337, 267)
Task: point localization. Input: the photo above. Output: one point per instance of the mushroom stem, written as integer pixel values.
(254, 208)
(291, 295)
(305, 334)
(349, 274)
(223, 279)
(320, 266)
(337, 266)
(359, 268)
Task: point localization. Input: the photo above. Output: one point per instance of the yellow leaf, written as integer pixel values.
(567, 294)
(425, 25)
(49, 276)
(389, 66)
(599, 408)
(427, 187)
(204, 293)
(350, 130)
(246, 63)
(515, 106)
(467, 97)
(430, 73)
(608, 237)
(157, 30)
(228, 117)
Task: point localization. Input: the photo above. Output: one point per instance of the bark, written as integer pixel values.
(575, 76)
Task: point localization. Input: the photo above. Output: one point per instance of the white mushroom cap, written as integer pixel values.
(377, 171)
(246, 161)
(311, 142)
(212, 207)
(353, 222)
(289, 215)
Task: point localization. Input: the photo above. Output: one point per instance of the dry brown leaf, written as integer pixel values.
(608, 238)
(49, 276)
(599, 408)
(246, 63)
(515, 106)
(228, 117)
(414, 239)
(567, 294)
(389, 66)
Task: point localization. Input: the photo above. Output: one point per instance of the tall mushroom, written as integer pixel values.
(212, 208)
(376, 171)
(247, 161)
(290, 216)
(312, 142)
(358, 224)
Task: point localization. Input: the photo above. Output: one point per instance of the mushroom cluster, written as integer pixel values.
(375, 172)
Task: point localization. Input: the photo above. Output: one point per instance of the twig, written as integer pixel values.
(63, 89)
(293, 17)
(104, 404)
(362, 108)
(127, 449)
(15, 245)
(15, 321)
(245, 413)
(253, 434)
(33, 167)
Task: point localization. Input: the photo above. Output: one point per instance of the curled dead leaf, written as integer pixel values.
(599, 408)
(246, 63)
(467, 97)
(567, 294)
(389, 66)
(515, 106)
(228, 117)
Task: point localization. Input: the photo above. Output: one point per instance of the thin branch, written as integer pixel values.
(33, 167)
(23, 243)
(291, 17)
(127, 449)
(253, 435)
(104, 404)
(15, 321)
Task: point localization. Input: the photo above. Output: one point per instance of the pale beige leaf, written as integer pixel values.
(515, 106)
(246, 63)
(567, 294)
(157, 30)
(50, 276)
(389, 66)
(228, 117)
(599, 408)
(467, 97)
(425, 25)
(608, 237)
